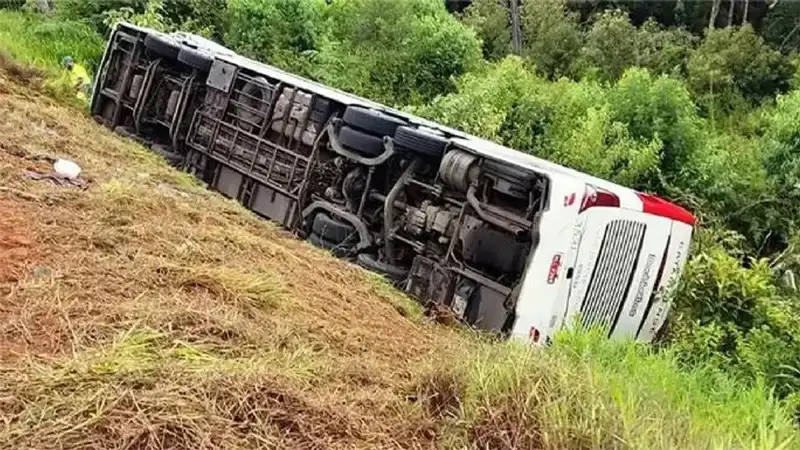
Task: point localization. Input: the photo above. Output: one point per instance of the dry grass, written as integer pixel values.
(145, 312)
(158, 315)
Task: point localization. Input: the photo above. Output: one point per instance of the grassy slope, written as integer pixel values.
(28, 38)
(147, 312)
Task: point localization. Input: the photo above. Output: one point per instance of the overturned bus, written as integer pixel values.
(508, 242)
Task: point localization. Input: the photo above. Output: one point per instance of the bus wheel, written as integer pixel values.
(420, 141)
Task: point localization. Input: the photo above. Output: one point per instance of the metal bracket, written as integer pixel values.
(336, 146)
(365, 240)
(221, 76)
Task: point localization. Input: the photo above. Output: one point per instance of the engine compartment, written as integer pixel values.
(452, 228)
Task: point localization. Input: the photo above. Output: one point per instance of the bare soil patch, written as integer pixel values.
(16, 241)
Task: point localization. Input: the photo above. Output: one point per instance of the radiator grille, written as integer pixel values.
(613, 273)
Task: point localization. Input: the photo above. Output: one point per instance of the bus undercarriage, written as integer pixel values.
(452, 228)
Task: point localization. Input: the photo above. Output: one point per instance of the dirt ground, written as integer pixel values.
(143, 311)
(15, 241)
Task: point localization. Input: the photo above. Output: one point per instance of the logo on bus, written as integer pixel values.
(555, 264)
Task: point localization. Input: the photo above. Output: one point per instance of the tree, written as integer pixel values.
(662, 50)
(278, 32)
(731, 9)
(396, 51)
(735, 63)
(489, 18)
(712, 19)
(610, 45)
(551, 37)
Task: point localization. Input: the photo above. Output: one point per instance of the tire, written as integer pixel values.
(318, 241)
(127, 132)
(361, 142)
(174, 159)
(421, 142)
(130, 133)
(331, 229)
(195, 59)
(258, 87)
(374, 122)
(370, 262)
(162, 46)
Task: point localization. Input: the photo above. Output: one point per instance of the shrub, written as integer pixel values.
(613, 44)
(483, 99)
(551, 37)
(663, 50)
(152, 16)
(395, 51)
(735, 317)
(32, 39)
(610, 45)
(278, 32)
(13, 4)
(658, 108)
(204, 17)
(490, 19)
(94, 12)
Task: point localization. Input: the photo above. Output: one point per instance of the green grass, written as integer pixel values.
(587, 392)
(41, 41)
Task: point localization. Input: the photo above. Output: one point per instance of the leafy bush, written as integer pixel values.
(95, 12)
(610, 45)
(490, 20)
(735, 317)
(44, 43)
(551, 37)
(13, 4)
(395, 51)
(658, 108)
(663, 50)
(613, 44)
(278, 32)
(629, 132)
(483, 99)
(204, 17)
(152, 16)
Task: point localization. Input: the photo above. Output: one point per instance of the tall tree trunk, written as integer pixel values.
(714, 12)
(516, 27)
(731, 9)
(744, 13)
(679, 13)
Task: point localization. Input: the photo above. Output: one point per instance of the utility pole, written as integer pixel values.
(516, 28)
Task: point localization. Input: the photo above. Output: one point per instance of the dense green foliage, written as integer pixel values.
(44, 43)
(648, 95)
(394, 51)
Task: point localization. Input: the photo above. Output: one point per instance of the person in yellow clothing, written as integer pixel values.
(79, 77)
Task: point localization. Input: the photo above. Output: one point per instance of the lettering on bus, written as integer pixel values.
(643, 283)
